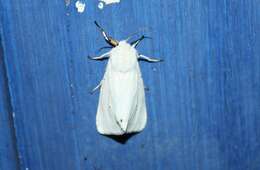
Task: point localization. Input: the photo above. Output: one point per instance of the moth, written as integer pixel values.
(121, 107)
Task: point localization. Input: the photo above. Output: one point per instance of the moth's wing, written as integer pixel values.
(105, 119)
(138, 118)
(110, 99)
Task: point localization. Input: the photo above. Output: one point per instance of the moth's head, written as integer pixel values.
(115, 43)
(124, 44)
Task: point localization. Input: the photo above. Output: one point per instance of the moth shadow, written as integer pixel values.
(121, 138)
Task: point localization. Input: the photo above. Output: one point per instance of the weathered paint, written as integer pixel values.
(80, 5)
(100, 5)
(106, 2)
(110, 1)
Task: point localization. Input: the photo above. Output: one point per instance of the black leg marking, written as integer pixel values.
(136, 42)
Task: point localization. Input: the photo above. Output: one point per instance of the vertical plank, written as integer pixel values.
(34, 37)
(8, 152)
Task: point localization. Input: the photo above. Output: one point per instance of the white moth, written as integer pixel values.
(121, 107)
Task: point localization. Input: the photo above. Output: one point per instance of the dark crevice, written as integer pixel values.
(9, 106)
(70, 73)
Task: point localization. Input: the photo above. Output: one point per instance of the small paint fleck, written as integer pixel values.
(154, 69)
(80, 5)
(13, 115)
(100, 5)
(106, 2)
(26, 168)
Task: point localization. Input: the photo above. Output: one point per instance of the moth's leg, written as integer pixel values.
(96, 88)
(136, 42)
(142, 57)
(103, 56)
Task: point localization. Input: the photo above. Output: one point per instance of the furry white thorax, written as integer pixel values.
(123, 57)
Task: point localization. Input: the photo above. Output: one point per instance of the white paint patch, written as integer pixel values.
(80, 5)
(100, 5)
(106, 2)
(110, 1)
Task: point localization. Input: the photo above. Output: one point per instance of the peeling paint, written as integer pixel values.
(106, 2)
(100, 5)
(110, 1)
(80, 5)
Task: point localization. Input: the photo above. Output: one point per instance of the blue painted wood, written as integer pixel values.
(203, 103)
(44, 118)
(8, 152)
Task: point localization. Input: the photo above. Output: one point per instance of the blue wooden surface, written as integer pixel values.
(8, 152)
(204, 100)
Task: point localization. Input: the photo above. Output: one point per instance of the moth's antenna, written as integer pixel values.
(136, 42)
(108, 39)
(144, 29)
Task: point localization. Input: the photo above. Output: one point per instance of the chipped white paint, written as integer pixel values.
(80, 5)
(106, 2)
(110, 1)
(100, 5)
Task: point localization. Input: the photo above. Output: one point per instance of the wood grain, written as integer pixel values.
(203, 102)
